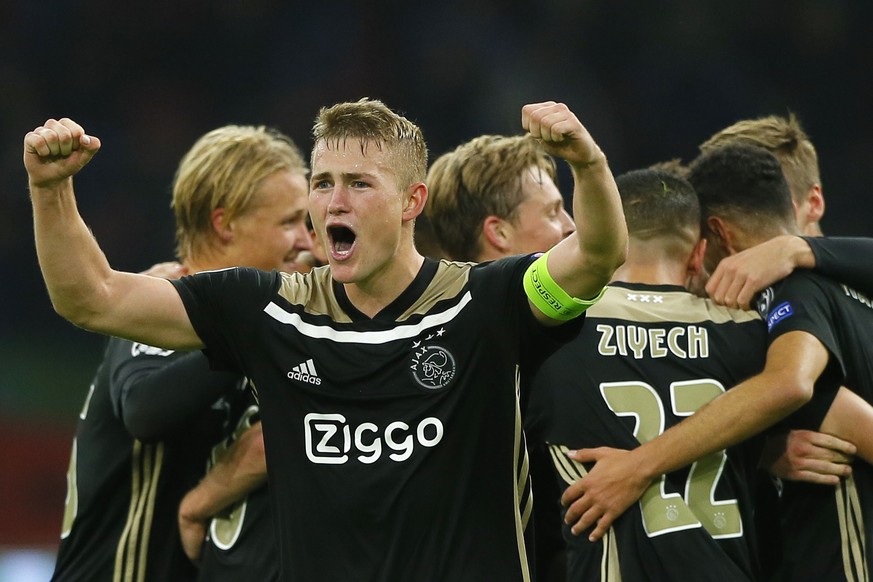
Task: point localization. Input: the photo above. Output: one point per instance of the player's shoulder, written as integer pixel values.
(120, 352)
(311, 292)
(451, 273)
(302, 285)
(665, 303)
(231, 278)
(806, 279)
(800, 286)
(505, 268)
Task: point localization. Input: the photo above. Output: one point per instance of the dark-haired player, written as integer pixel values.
(651, 353)
(819, 338)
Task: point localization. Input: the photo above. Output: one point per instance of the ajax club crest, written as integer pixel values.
(432, 366)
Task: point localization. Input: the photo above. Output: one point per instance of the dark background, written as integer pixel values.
(650, 80)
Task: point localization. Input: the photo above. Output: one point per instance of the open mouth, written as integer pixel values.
(342, 240)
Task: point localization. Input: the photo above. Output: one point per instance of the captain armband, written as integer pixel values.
(548, 296)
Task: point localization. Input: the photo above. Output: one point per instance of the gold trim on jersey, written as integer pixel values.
(852, 538)
(315, 291)
(131, 554)
(448, 283)
(673, 306)
(523, 509)
(609, 565)
(571, 471)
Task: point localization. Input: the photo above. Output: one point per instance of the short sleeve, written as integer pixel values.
(224, 308)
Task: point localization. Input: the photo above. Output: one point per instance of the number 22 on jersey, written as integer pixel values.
(664, 512)
(668, 512)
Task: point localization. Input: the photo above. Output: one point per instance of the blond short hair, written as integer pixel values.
(480, 178)
(785, 139)
(373, 123)
(224, 169)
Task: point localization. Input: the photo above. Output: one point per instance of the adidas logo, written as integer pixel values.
(305, 372)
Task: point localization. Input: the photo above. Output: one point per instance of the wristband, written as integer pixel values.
(548, 296)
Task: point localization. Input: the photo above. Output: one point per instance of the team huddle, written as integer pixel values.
(369, 367)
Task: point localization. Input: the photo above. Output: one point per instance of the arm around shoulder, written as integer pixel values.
(159, 402)
(848, 260)
(618, 478)
(738, 278)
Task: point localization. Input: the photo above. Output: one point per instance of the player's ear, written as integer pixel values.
(220, 225)
(695, 260)
(415, 200)
(721, 234)
(815, 200)
(498, 232)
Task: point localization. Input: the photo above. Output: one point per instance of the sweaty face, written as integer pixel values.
(272, 232)
(541, 221)
(356, 209)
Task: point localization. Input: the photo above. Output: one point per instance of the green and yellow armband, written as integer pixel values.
(548, 296)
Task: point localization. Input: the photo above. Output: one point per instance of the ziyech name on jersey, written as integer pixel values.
(690, 341)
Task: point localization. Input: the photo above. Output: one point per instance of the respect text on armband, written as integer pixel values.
(548, 297)
(331, 440)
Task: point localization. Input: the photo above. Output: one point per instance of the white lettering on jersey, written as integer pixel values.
(329, 439)
(857, 296)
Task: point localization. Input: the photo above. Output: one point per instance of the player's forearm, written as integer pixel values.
(236, 474)
(733, 417)
(845, 259)
(850, 418)
(86, 291)
(73, 266)
(205, 500)
(161, 402)
(601, 232)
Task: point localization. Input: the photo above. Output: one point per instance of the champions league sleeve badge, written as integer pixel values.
(780, 312)
(763, 301)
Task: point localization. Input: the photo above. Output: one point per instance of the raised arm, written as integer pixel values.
(82, 286)
(584, 262)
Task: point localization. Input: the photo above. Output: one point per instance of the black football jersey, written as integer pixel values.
(826, 531)
(241, 539)
(120, 519)
(649, 356)
(394, 443)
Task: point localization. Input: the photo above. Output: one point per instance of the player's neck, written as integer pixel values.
(812, 229)
(210, 257)
(652, 273)
(490, 253)
(381, 288)
(204, 263)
